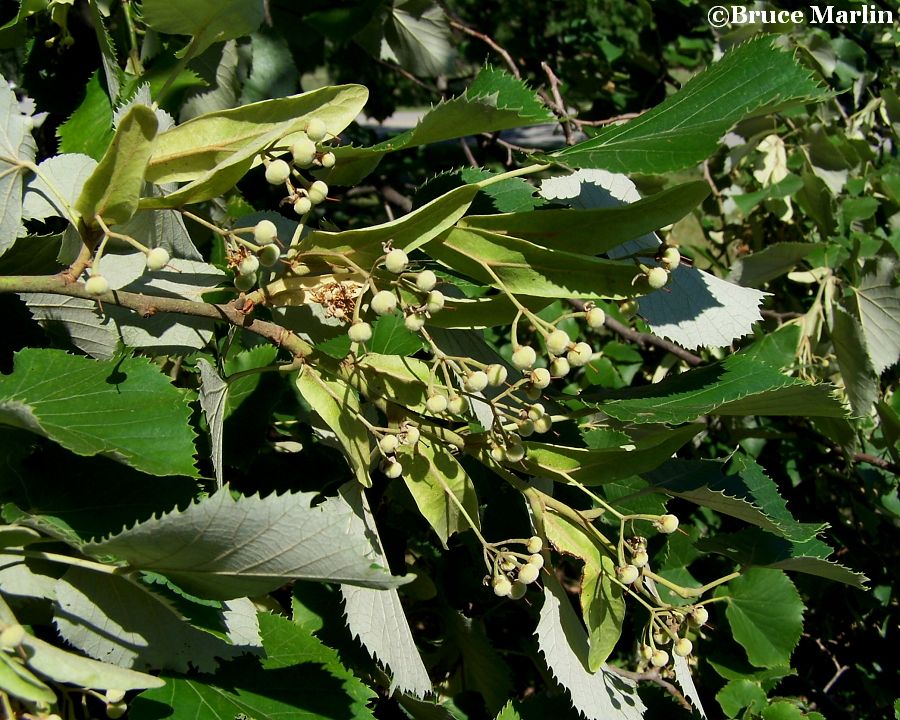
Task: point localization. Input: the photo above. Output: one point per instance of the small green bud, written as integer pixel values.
(414, 322)
(683, 647)
(389, 444)
(410, 435)
(457, 405)
(543, 424)
(496, 374)
(535, 412)
(436, 404)
(248, 265)
(502, 586)
(518, 590)
(535, 544)
(671, 258)
(245, 282)
(660, 658)
(11, 636)
(277, 172)
(528, 573)
(537, 560)
(317, 192)
(316, 130)
(525, 428)
(264, 232)
(434, 303)
(269, 255)
(360, 332)
(698, 616)
(557, 342)
(384, 302)
(476, 381)
(426, 280)
(391, 468)
(559, 368)
(157, 259)
(640, 559)
(524, 357)
(96, 285)
(667, 524)
(396, 261)
(540, 378)
(595, 318)
(515, 452)
(657, 277)
(327, 160)
(303, 151)
(580, 355)
(627, 574)
(302, 205)
(115, 696)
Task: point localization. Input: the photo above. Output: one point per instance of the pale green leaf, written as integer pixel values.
(432, 474)
(127, 410)
(53, 192)
(26, 577)
(115, 618)
(222, 547)
(766, 615)
(161, 228)
(20, 682)
(207, 21)
(878, 300)
(113, 190)
(750, 80)
(338, 406)
(736, 386)
(219, 67)
(686, 683)
(376, 617)
(213, 393)
(300, 679)
(563, 643)
(192, 150)
(602, 465)
(602, 604)
(17, 147)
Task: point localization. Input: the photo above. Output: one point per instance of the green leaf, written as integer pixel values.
(576, 230)
(89, 129)
(192, 150)
(377, 619)
(746, 202)
(751, 80)
(224, 548)
(91, 407)
(769, 263)
(273, 73)
(390, 337)
(603, 465)
(300, 678)
(766, 615)
(121, 621)
(432, 474)
(602, 604)
(207, 21)
(508, 712)
(412, 33)
(878, 304)
(495, 101)
(735, 386)
(514, 194)
(528, 269)
(563, 643)
(743, 491)
(16, 148)
(860, 380)
(114, 188)
(409, 232)
(77, 320)
(753, 546)
(740, 694)
(338, 406)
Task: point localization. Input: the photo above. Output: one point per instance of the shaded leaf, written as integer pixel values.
(124, 623)
(860, 380)
(17, 148)
(77, 320)
(769, 263)
(127, 410)
(686, 683)
(213, 394)
(878, 301)
(53, 192)
(753, 546)
(222, 547)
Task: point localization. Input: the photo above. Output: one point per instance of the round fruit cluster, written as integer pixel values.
(511, 572)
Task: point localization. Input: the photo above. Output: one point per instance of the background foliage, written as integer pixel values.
(802, 205)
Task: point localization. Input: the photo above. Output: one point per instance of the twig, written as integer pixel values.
(468, 153)
(878, 462)
(780, 316)
(558, 102)
(457, 23)
(147, 305)
(645, 339)
(654, 677)
(609, 120)
(707, 175)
